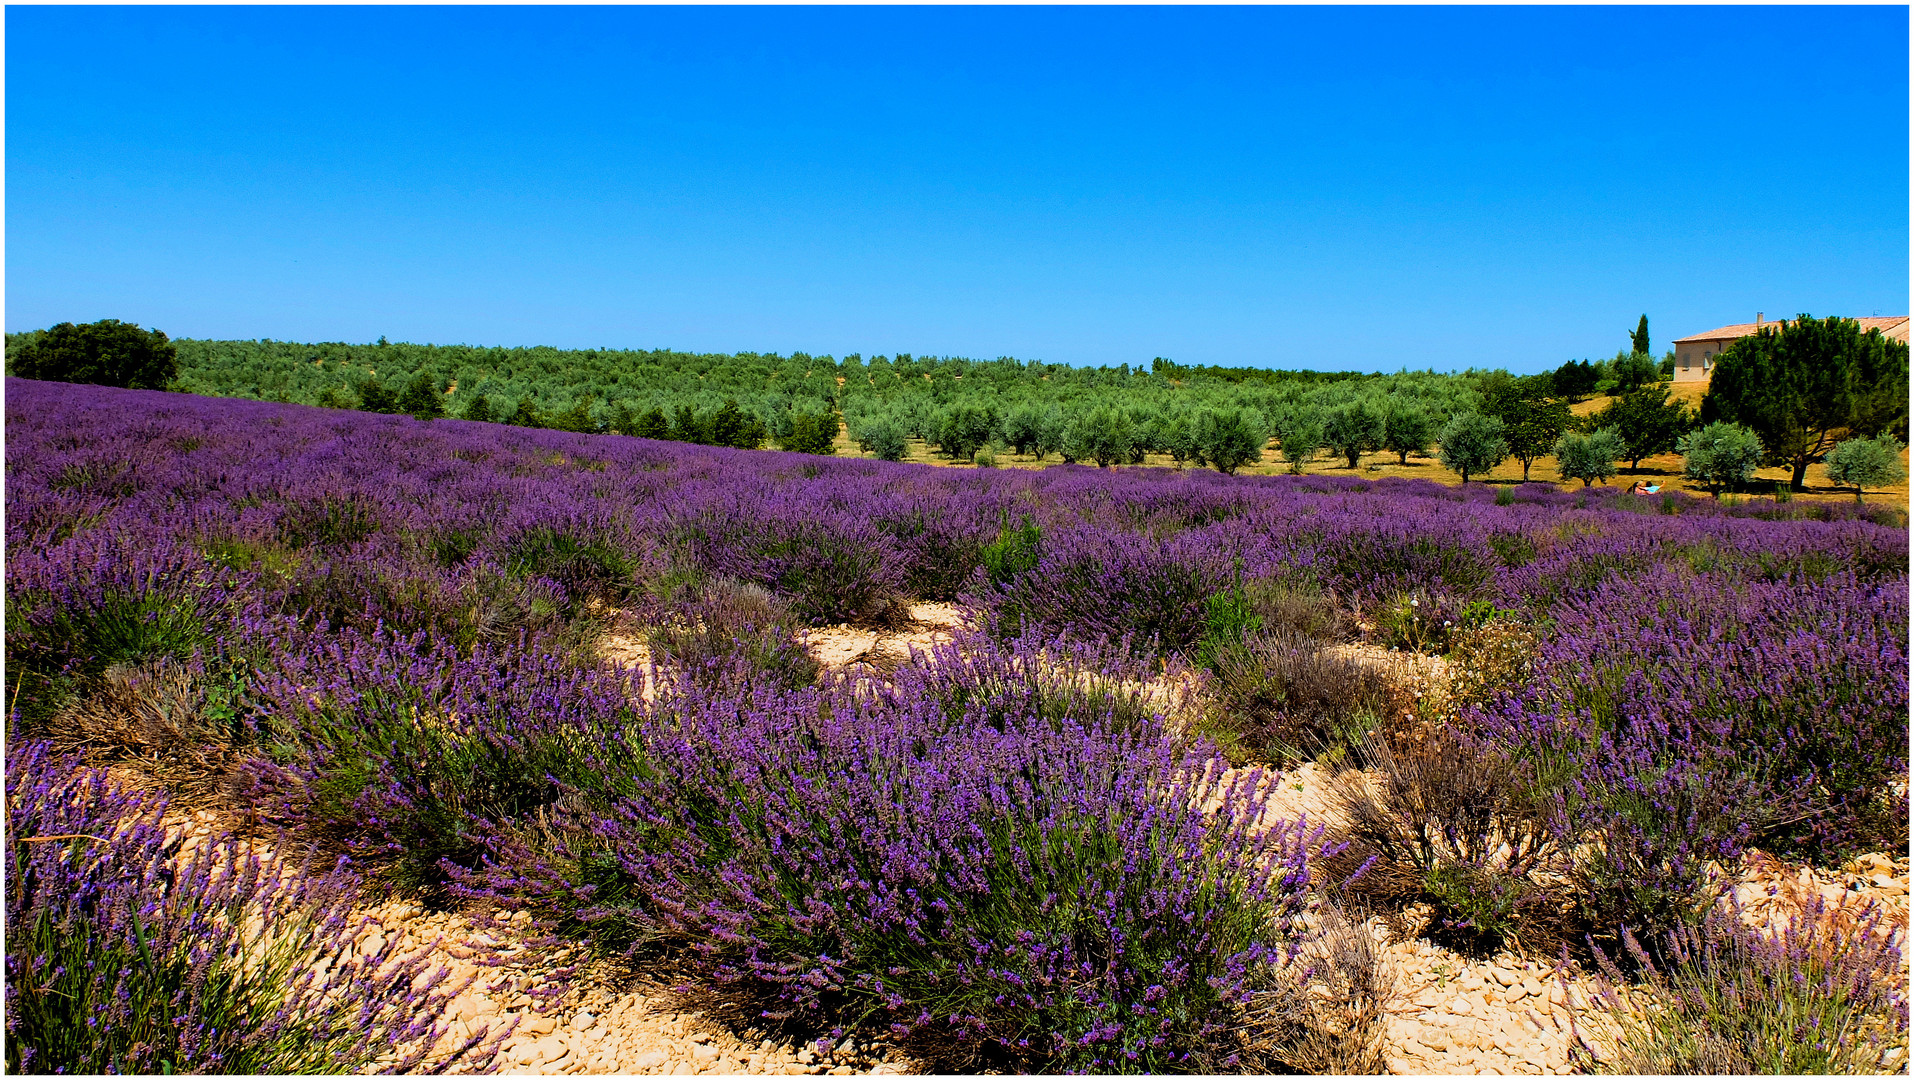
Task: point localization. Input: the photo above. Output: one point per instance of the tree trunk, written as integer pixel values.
(1526, 462)
(1800, 474)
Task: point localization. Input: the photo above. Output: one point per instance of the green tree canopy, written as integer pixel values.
(1532, 420)
(1024, 429)
(1576, 379)
(730, 426)
(1631, 370)
(1299, 433)
(884, 436)
(1587, 457)
(1353, 430)
(375, 397)
(1800, 386)
(1472, 443)
(1720, 455)
(1229, 439)
(1638, 341)
(423, 397)
(1102, 435)
(1867, 463)
(1647, 422)
(104, 353)
(1407, 428)
(811, 433)
(651, 424)
(963, 430)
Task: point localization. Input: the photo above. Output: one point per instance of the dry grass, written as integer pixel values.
(1324, 1012)
(1440, 821)
(1285, 697)
(150, 722)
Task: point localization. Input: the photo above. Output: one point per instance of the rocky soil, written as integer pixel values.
(1452, 1014)
(883, 650)
(600, 1025)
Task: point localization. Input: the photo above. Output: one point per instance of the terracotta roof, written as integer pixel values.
(1893, 326)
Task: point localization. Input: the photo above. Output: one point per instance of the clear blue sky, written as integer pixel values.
(1302, 187)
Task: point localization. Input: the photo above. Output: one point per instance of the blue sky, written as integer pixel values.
(1331, 188)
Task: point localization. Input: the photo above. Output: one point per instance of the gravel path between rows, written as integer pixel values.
(1452, 1014)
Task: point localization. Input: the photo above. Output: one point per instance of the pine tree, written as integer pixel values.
(422, 397)
(1639, 339)
(1647, 422)
(374, 397)
(1806, 384)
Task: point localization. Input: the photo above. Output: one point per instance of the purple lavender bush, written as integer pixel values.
(401, 618)
(727, 626)
(399, 751)
(1685, 724)
(1822, 994)
(129, 953)
(948, 853)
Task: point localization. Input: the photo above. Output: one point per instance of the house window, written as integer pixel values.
(1707, 360)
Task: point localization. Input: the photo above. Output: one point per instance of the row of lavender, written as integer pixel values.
(383, 623)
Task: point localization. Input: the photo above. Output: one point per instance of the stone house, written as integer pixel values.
(1695, 354)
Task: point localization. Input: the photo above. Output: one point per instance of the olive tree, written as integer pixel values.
(883, 435)
(963, 430)
(1229, 439)
(1720, 455)
(1472, 443)
(1353, 430)
(1407, 429)
(1867, 463)
(1588, 457)
(1299, 432)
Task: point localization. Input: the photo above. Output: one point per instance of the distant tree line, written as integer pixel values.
(1799, 390)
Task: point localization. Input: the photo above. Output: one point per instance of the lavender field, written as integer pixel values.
(1053, 844)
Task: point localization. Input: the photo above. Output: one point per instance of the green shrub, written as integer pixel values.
(1472, 443)
(105, 353)
(1866, 463)
(1721, 455)
(1015, 551)
(1587, 457)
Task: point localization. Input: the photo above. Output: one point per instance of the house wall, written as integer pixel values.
(1695, 360)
